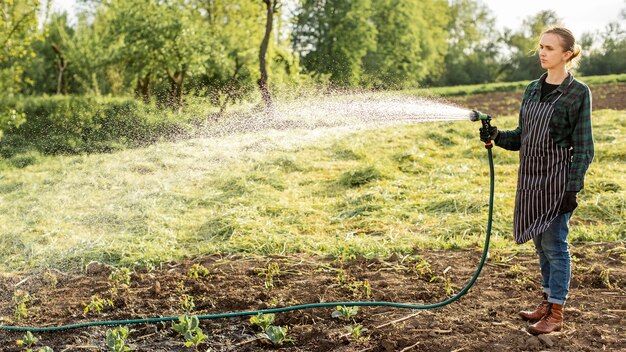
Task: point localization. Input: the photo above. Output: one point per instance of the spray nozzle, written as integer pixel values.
(485, 119)
(476, 115)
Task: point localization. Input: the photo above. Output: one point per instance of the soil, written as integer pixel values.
(605, 96)
(485, 319)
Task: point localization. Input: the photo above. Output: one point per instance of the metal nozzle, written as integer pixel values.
(476, 115)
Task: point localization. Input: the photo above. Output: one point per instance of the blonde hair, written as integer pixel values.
(568, 43)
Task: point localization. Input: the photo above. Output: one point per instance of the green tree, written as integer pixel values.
(473, 52)
(410, 42)
(333, 37)
(165, 37)
(50, 70)
(609, 58)
(18, 30)
(524, 62)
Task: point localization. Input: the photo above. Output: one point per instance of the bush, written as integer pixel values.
(70, 125)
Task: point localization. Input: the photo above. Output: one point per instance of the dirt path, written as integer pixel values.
(484, 320)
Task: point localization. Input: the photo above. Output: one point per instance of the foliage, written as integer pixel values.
(96, 304)
(277, 335)
(120, 276)
(609, 57)
(269, 273)
(28, 340)
(116, 339)
(333, 37)
(345, 313)
(410, 43)
(19, 22)
(198, 270)
(473, 47)
(356, 332)
(189, 327)
(262, 320)
(524, 63)
(20, 298)
(88, 124)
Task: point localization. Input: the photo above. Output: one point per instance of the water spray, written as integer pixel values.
(453, 114)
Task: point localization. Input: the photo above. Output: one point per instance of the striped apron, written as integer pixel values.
(542, 174)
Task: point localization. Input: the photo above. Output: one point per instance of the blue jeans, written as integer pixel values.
(554, 259)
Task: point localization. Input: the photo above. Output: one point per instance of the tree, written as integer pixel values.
(18, 30)
(333, 37)
(158, 37)
(473, 52)
(271, 8)
(410, 42)
(524, 63)
(609, 57)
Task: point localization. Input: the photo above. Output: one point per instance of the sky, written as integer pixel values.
(578, 15)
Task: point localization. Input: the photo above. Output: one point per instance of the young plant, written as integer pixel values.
(272, 271)
(277, 335)
(120, 276)
(356, 331)
(116, 339)
(28, 340)
(262, 320)
(345, 313)
(20, 298)
(187, 303)
(360, 288)
(96, 304)
(196, 271)
(189, 327)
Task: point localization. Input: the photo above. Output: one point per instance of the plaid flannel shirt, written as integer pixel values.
(570, 125)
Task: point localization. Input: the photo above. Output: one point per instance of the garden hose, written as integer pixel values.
(465, 289)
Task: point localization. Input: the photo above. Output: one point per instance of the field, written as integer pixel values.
(289, 216)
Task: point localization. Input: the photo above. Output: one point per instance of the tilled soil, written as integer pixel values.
(485, 319)
(605, 96)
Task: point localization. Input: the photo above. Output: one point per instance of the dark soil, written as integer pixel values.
(483, 320)
(605, 96)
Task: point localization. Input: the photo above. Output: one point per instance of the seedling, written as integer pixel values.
(187, 303)
(262, 320)
(120, 276)
(422, 268)
(189, 327)
(50, 279)
(28, 340)
(196, 271)
(272, 271)
(116, 339)
(345, 313)
(277, 335)
(356, 331)
(96, 304)
(360, 288)
(20, 298)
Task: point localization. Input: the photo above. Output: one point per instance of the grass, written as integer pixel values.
(343, 193)
(508, 86)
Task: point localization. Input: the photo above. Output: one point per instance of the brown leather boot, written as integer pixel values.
(551, 322)
(538, 313)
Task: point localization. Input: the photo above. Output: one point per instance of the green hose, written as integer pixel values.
(301, 306)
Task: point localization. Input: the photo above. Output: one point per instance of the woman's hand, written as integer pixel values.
(569, 203)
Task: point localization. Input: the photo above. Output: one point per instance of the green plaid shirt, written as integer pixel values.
(570, 125)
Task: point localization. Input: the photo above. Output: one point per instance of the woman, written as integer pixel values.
(556, 147)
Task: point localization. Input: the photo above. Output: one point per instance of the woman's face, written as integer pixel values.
(551, 52)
